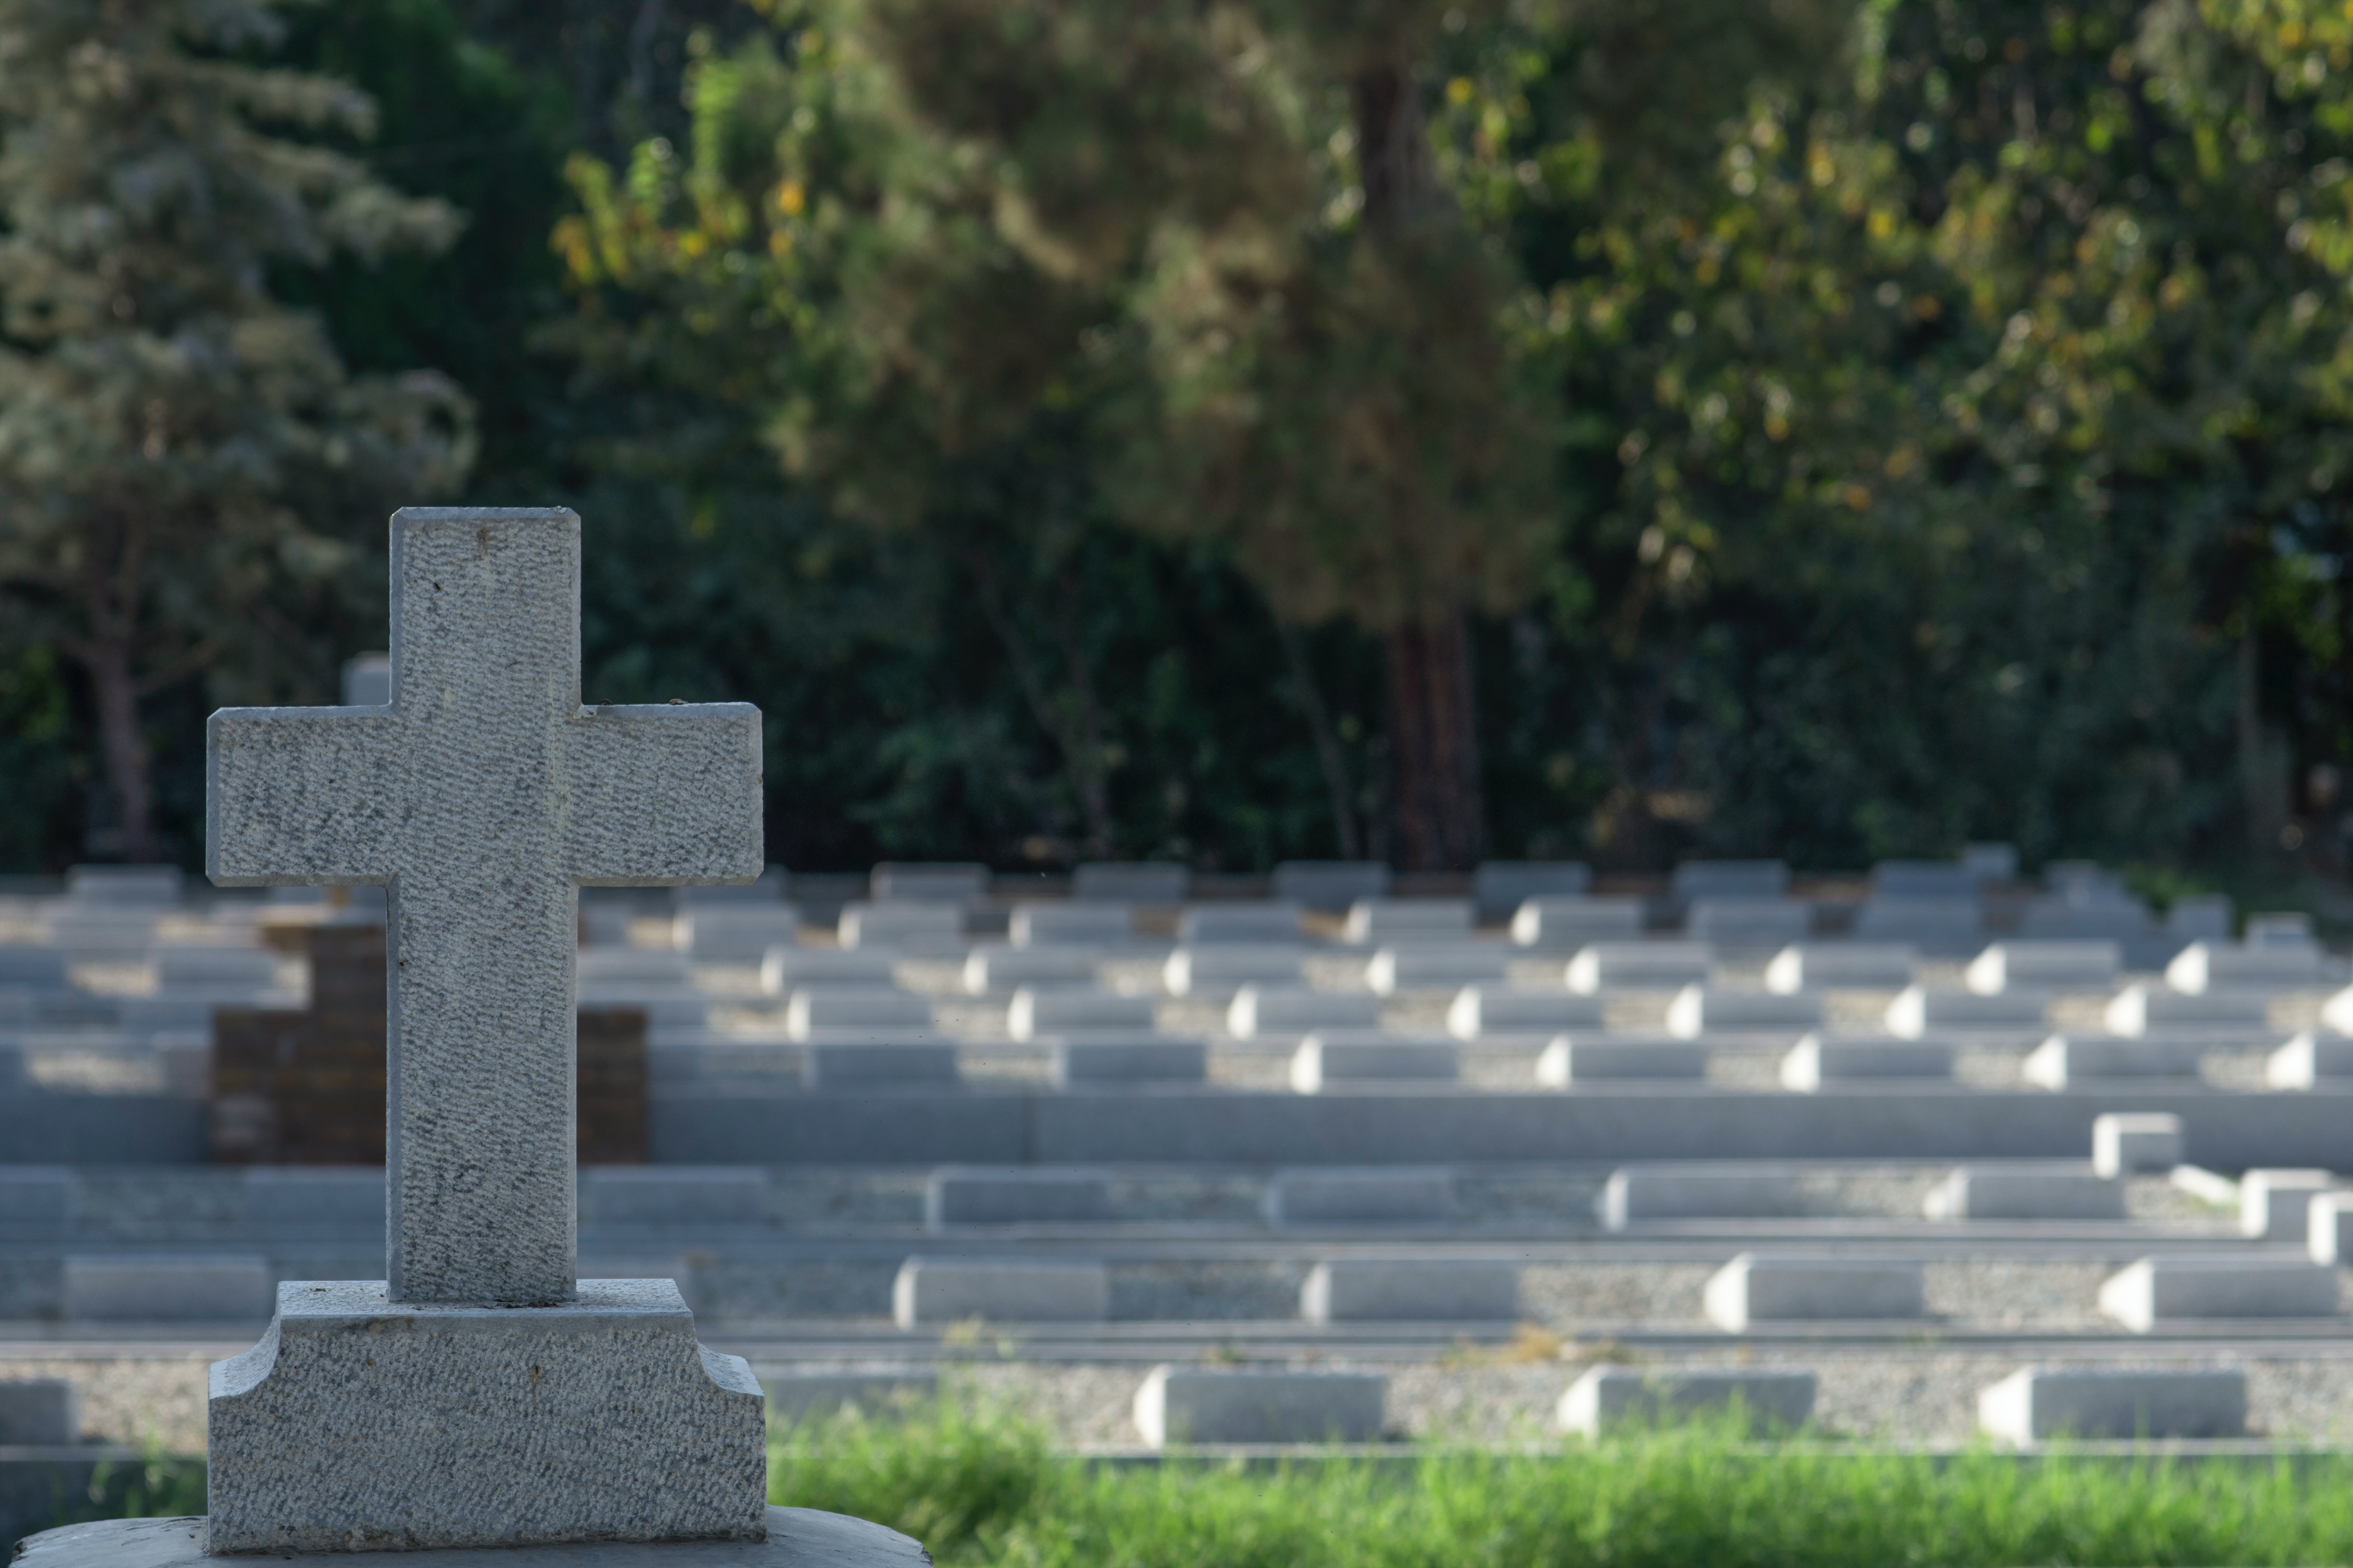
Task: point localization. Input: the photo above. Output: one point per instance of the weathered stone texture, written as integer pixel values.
(483, 797)
(362, 1424)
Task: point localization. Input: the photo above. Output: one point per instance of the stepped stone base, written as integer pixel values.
(797, 1538)
(360, 1424)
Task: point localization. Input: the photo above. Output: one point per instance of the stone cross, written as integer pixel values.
(483, 797)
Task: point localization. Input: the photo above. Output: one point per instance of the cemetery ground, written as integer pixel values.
(982, 1484)
(1294, 1220)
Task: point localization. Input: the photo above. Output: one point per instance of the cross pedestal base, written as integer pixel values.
(360, 1424)
(797, 1538)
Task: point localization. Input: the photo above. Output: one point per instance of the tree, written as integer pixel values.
(1200, 266)
(185, 468)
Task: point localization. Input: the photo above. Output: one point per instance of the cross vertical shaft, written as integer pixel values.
(483, 795)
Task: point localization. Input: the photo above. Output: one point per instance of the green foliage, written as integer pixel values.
(1853, 430)
(986, 1491)
(153, 1486)
(184, 461)
(45, 768)
(1937, 442)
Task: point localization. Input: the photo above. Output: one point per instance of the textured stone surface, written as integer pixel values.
(797, 1538)
(1605, 1398)
(1217, 1404)
(484, 796)
(362, 1424)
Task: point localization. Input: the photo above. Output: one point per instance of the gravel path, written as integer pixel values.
(1505, 1395)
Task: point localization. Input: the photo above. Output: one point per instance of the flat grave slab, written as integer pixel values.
(2192, 1288)
(2025, 1191)
(2141, 1009)
(876, 1062)
(737, 933)
(995, 969)
(1920, 1011)
(1103, 924)
(1372, 1194)
(150, 1287)
(2041, 968)
(2125, 1143)
(1373, 922)
(816, 1009)
(1331, 1058)
(1608, 1399)
(917, 930)
(1037, 1013)
(306, 1195)
(930, 1291)
(786, 969)
(671, 1195)
(1490, 1012)
(1943, 928)
(960, 1194)
(958, 882)
(1261, 1012)
(38, 1412)
(1820, 1061)
(1841, 966)
(1715, 1009)
(1554, 924)
(1220, 1404)
(2273, 1204)
(1221, 969)
(1096, 1061)
(1606, 966)
(2039, 1404)
(1618, 1121)
(1765, 1288)
(2066, 1061)
(1748, 924)
(1392, 1291)
(1401, 969)
(1638, 1193)
(1244, 925)
(2310, 1060)
(2205, 968)
(1588, 1059)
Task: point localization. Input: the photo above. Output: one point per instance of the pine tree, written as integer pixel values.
(181, 456)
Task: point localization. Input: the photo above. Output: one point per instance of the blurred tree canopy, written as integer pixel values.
(177, 448)
(1267, 428)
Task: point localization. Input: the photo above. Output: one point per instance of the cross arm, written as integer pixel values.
(299, 795)
(665, 794)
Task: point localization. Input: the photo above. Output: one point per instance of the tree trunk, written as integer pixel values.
(1434, 738)
(1327, 744)
(124, 747)
(1399, 177)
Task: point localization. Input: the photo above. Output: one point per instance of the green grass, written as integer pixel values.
(988, 1490)
(154, 1486)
